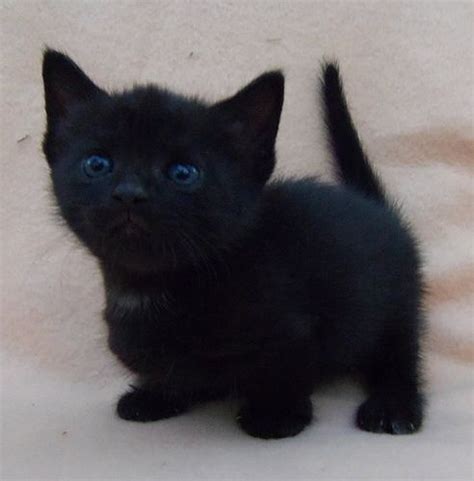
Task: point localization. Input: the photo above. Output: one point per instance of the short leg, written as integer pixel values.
(395, 404)
(144, 404)
(276, 400)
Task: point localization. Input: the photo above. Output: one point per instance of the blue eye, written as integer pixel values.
(183, 174)
(96, 166)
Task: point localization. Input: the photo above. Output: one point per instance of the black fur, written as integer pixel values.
(236, 286)
(353, 167)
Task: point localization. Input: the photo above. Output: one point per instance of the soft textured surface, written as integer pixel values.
(409, 79)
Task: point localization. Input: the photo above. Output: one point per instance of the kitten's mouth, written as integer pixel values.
(130, 224)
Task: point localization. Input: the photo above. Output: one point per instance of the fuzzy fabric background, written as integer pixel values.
(408, 72)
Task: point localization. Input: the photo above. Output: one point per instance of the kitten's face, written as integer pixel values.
(149, 180)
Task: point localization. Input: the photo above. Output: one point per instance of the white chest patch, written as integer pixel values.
(134, 301)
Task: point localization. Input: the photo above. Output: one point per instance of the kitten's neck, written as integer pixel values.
(152, 282)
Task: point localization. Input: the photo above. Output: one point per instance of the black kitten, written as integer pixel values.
(218, 283)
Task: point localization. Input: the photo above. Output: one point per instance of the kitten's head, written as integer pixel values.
(151, 180)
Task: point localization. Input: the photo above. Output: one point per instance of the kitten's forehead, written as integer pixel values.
(149, 118)
(149, 107)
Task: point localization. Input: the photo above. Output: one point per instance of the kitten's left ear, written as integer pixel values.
(254, 113)
(65, 85)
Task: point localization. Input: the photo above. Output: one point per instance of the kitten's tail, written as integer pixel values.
(353, 167)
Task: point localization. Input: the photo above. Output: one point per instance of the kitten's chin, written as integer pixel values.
(132, 252)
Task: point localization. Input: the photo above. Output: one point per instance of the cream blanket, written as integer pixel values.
(409, 77)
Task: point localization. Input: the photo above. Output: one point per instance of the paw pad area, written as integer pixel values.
(271, 423)
(144, 406)
(379, 415)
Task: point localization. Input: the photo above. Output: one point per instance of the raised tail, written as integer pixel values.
(353, 167)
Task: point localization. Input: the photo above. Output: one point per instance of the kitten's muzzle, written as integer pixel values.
(129, 222)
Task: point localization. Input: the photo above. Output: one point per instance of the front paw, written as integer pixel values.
(381, 414)
(144, 406)
(274, 422)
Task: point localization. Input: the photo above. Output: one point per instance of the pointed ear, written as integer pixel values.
(253, 115)
(65, 85)
(256, 108)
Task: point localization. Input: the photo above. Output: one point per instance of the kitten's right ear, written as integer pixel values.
(65, 85)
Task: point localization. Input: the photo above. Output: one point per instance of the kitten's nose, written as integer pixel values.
(130, 191)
